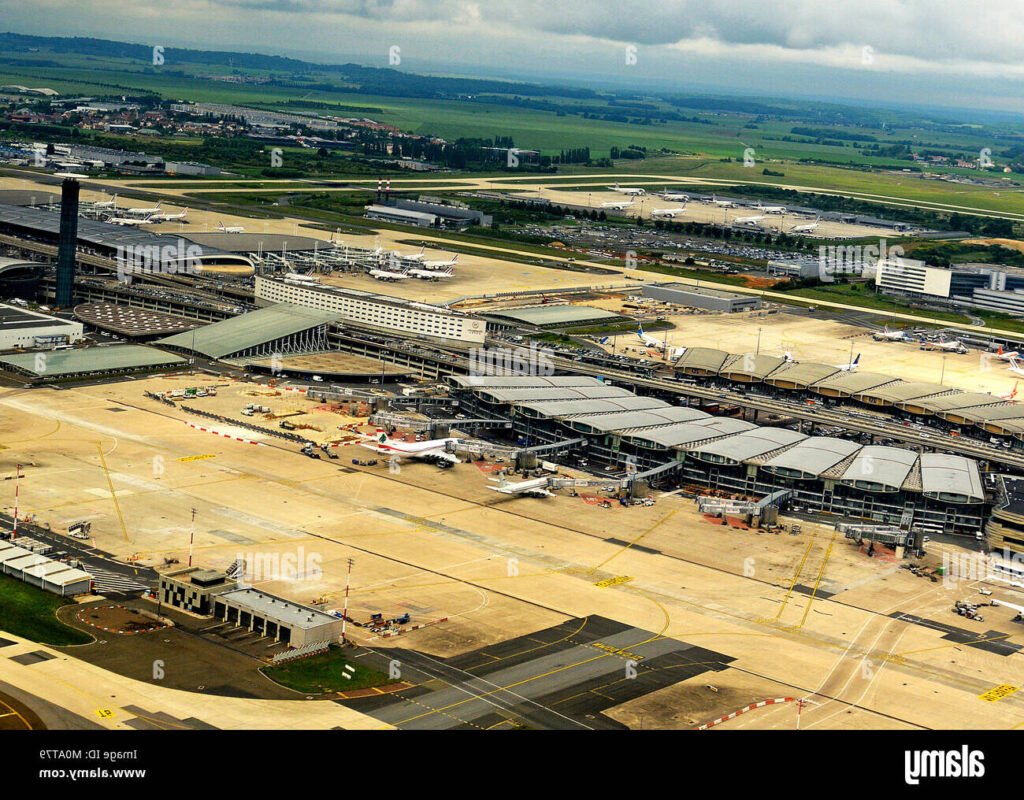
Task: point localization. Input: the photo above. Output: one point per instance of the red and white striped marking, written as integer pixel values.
(744, 710)
(223, 435)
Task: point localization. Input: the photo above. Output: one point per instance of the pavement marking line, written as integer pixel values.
(625, 547)
(998, 638)
(796, 576)
(817, 581)
(997, 693)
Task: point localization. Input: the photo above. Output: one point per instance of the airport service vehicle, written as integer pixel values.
(435, 451)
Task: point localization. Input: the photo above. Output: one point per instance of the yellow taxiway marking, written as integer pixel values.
(616, 581)
(796, 576)
(197, 458)
(997, 693)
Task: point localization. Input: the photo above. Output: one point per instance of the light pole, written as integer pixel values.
(344, 613)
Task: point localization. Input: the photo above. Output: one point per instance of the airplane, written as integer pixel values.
(1004, 356)
(441, 264)
(433, 450)
(1014, 606)
(667, 212)
(722, 203)
(169, 217)
(617, 206)
(430, 274)
(142, 212)
(810, 227)
(771, 209)
(78, 175)
(388, 275)
(657, 344)
(230, 228)
(1011, 395)
(1017, 366)
(667, 195)
(633, 191)
(414, 257)
(890, 336)
(106, 203)
(851, 367)
(537, 487)
(788, 357)
(954, 346)
(129, 220)
(751, 221)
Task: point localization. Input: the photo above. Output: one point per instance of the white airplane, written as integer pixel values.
(751, 221)
(676, 196)
(430, 274)
(788, 357)
(1006, 356)
(433, 450)
(851, 367)
(722, 203)
(441, 264)
(106, 203)
(142, 212)
(415, 256)
(388, 275)
(771, 209)
(78, 175)
(129, 220)
(667, 212)
(954, 346)
(617, 205)
(537, 487)
(810, 227)
(633, 191)
(890, 336)
(1011, 395)
(1014, 606)
(230, 228)
(169, 217)
(1017, 366)
(657, 344)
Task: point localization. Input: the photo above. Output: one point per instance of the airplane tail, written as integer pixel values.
(788, 356)
(856, 361)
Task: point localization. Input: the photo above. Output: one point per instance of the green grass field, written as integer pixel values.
(30, 612)
(323, 674)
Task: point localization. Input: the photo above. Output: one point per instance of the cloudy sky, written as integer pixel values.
(927, 52)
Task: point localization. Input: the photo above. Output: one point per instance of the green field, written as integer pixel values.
(323, 674)
(30, 612)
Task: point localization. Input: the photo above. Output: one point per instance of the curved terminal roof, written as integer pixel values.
(959, 401)
(812, 458)
(747, 445)
(847, 384)
(246, 331)
(626, 420)
(552, 393)
(687, 433)
(522, 381)
(566, 409)
(880, 469)
(90, 360)
(801, 374)
(900, 392)
(750, 367)
(703, 360)
(951, 478)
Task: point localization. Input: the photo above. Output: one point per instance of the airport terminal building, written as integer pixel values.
(819, 474)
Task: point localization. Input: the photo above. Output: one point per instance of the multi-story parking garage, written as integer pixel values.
(892, 485)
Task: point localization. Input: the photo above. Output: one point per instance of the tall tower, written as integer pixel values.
(68, 243)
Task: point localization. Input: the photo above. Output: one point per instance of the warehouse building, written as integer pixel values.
(821, 474)
(24, 329)
(43, 572)
(375, 311)
(401, 216)
(281, 620)
(682, 294)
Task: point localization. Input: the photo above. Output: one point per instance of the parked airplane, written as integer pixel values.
(657, 344)
(1017, 366)
(129, 220)
(675, 196)
(810, 227)
(429, 274)
(617, 205)
(142, 212)
(890, 336)
(771, 209)
(1011, 395)
(722, 203)
(230, 228)
(955, 346)
(169, 217)
(415, 256)
(389, 275)
(667, 212)
(751, 221)
(432, 450)
(633, 191)
(537, 487)
(851, 367)
(106, 203)
(441, 264)
(1006, 356)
